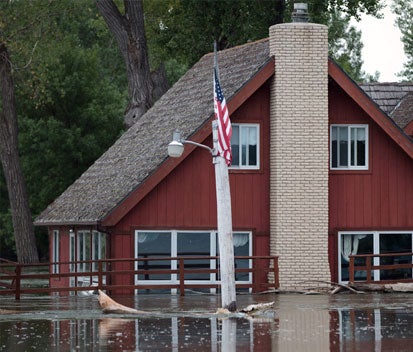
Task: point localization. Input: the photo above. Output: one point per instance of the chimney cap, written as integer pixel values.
(300, 12)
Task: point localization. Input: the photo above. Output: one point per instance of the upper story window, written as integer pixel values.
(245, 144)
(349, 147)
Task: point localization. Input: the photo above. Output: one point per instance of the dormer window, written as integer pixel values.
(349, 147)
(245, 144)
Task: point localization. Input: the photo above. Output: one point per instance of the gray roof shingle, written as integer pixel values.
(143, 148)
(387, 95)
(403, 112)
(186, 106)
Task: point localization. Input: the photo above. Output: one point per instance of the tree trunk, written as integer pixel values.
(9, 155)
(129, 32)
(280, 7)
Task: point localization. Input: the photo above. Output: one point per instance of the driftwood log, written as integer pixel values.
(109, 306)
(8, 311)
(397, 287)
(260, 310)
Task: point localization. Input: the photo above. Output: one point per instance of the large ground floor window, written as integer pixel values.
(159, 244)
(375, 242)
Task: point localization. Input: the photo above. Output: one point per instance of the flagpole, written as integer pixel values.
(221, 152)
(224, 220)
(216, 58)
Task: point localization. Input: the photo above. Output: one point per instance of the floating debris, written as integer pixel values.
(109, 306)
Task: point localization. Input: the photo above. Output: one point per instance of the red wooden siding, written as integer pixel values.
(185, 199)
(376, 199)
(64, 255)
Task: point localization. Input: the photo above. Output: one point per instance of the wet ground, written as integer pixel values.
(343, 322)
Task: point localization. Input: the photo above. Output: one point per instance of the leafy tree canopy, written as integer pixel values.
(70, 88)
(404, 12)
(181, 31)
(70, 79)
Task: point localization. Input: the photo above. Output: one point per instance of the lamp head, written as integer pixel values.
(176, 148)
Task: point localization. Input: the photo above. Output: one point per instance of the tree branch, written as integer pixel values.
(114, 20)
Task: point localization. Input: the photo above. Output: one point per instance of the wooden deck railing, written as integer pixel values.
(17, 279)
(394, 268)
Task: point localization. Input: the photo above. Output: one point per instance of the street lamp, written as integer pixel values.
(176, 147)
(224, 216)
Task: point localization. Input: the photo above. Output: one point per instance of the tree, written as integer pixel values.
(175, 38)
(346, 52)
(185, 30)
(9, 155)
(404, 11)
(129, 32)
(70, 88)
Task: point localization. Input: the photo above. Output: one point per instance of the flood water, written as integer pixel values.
(343, 322)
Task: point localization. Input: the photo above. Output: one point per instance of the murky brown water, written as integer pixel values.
(344, 322)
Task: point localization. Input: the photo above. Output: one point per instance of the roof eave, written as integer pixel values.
(67, 223)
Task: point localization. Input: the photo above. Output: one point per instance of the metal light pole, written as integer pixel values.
(224, 215)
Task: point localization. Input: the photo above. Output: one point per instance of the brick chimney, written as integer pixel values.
(299, 151)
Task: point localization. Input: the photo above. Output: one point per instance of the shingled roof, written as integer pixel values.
(403, 112)
(143, 148)
(387, 95)
(187, 106)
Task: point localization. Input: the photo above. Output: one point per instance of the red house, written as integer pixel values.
(322, 169)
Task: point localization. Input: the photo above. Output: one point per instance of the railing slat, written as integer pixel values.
(369, 266)
(100, 278)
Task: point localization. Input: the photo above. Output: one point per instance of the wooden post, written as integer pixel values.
(351, 270)
(100, 275)
(368, 268)
(181, 277)
(224, 219)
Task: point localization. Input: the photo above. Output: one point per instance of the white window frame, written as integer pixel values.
(247, 167)
(349, 166)
(376, 248)
(213, 252)
(82, 253)
(98, 237)
(72, 257)
(56, 252)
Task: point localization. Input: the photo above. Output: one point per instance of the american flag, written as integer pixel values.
(224, 123)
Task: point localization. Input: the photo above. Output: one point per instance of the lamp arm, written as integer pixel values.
(212, 151)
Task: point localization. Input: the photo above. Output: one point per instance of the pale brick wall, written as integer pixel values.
(299, 154)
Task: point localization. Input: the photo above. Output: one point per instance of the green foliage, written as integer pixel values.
(179, 32)
(345, 46)
(404, 11)
(70, 79)
(70, 87)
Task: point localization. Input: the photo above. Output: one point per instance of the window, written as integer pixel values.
(245, 146)
(56, 251)
(349, 147)
(374, 242)
(158, 244)
(85, 248)
(98, 249)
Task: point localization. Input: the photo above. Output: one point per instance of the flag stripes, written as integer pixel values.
(224, 123)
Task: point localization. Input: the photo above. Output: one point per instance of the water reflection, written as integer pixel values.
(383, 329)
(303, 323)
